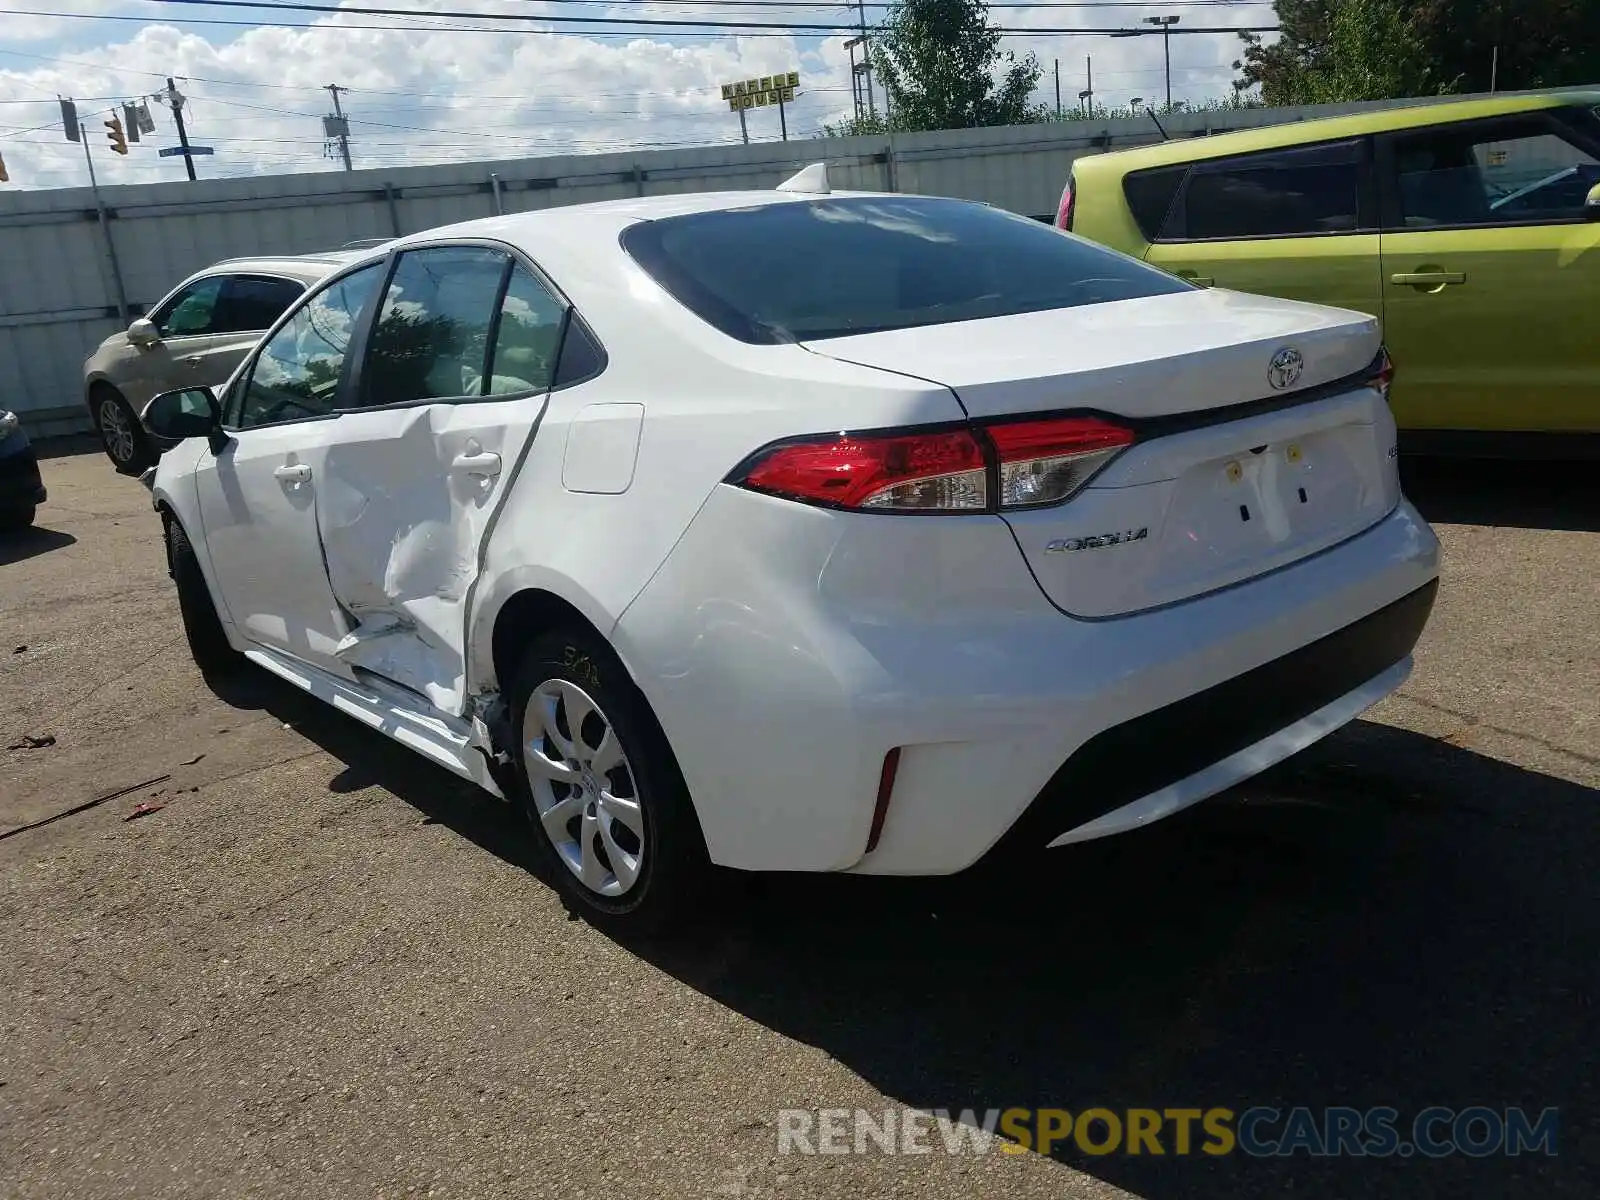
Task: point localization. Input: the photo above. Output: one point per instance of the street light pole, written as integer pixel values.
(1165, 24)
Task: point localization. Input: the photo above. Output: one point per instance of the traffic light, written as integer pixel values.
(115, 135)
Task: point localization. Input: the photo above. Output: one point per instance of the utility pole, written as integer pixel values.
(1494, 69)
(866, 50)
(175, 98)
(1088, 70)
(105, 227)
(1058, 89)
(339, 127)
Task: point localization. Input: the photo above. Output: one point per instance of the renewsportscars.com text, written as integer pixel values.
(1477, 1131)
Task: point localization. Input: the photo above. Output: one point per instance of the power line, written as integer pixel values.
(320, 27)
(649, 22)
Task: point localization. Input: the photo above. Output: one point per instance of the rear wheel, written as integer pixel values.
(19, 518)
(602, 790)
(208, 644)
(120, 433)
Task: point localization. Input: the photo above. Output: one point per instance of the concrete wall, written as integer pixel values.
(59, 294)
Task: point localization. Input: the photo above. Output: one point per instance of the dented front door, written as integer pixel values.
(454, 380)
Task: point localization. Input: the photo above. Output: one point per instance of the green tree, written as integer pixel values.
(940, 66)
(1331, 50)
(1343, 50)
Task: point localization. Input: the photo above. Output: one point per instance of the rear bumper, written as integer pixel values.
(1161, 762)
(785, 650)
(21, 487)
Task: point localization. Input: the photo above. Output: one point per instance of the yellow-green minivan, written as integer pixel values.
(1471, 228)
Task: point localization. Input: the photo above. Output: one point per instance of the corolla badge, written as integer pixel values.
(1285, 368)
(1071, 545)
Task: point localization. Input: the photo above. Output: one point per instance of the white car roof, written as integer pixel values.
(608, 216)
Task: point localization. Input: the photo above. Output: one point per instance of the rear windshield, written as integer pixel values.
(807, 270)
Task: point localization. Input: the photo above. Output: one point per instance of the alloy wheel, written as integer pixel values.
(583, 788)
(117, 429)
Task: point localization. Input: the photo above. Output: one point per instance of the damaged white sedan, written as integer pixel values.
(802, 531)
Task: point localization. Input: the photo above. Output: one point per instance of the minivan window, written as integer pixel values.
(1150, 195)
(814, 269)
(1505, 173)
(1311, 190)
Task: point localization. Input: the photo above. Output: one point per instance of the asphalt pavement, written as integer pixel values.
(312, 964)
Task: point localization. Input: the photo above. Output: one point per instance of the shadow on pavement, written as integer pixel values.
(1387, 919)
(18, 545)
(1521, 494)
(373, 760)
(66, 445)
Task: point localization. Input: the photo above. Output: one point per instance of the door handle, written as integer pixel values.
(296, 473)
(1197, 280)
(194, 360)
(477, 464)
(1428, 278)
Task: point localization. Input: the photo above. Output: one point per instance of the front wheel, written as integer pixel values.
(208, 642)
(19, 518)
(602, 790)
(120, 433)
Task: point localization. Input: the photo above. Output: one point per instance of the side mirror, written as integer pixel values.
(1591, 203)
(143, 332)
(185, 413)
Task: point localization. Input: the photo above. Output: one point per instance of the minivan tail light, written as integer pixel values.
(1068, 203)
(915, 472)
(1381, 373)
(1012, 464)
(1044, 462)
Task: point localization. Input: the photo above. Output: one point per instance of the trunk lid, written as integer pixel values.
(1199, 502)
(1158, 356)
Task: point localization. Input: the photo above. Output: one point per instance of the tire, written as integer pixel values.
(19, 518)
(208, 644)
(640, 876)
(121, 435)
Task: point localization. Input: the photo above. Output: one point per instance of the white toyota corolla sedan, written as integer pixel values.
(802, 531)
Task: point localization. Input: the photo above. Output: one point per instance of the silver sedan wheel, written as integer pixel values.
(117, 427)
(583, 788)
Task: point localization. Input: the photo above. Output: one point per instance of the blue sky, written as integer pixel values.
(503, 88)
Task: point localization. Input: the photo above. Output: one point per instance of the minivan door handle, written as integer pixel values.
(1428, 279)
(294, 473)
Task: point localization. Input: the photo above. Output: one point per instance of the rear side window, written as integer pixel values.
(250, 303)
(1285, 193)
(1150, 195)
(527, 339)
(431, 338)
(809, 270)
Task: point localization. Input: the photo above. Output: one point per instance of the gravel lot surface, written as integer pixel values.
(325, 969)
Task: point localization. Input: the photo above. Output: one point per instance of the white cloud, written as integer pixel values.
(422, 95)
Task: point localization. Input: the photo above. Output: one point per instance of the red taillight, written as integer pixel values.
(1381, 373)
(1019, 464)
(1044, 462)
(1064, 209)
(937, 472)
